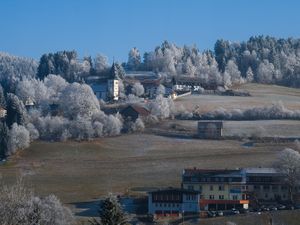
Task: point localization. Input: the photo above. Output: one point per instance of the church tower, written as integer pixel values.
(113, 82)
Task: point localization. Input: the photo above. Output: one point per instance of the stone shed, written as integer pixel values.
(211, 129)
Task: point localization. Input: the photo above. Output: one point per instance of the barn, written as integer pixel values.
(133, 112)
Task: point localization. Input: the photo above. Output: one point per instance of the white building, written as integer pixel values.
(173, 202)
(107, 88)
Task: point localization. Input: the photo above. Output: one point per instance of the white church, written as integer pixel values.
(107, 88)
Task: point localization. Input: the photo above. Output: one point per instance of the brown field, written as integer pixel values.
(82, 171)
(266, 128)
(261, 95)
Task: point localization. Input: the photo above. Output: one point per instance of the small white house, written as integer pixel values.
(173, 202)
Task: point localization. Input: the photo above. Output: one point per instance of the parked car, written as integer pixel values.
(290, 207)
(235, 211)
(244, 211)
(273, 208)
(211, 214)
(220, 213)
(281, 207)
(265, 208)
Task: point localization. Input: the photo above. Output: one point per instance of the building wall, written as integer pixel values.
(189, 203)
(113, 89)
(269, 192)
(209, 130)
(219, 191)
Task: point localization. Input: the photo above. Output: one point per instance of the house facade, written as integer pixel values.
(173, 202)
(219, 189)
(266, 184)
(227, 189)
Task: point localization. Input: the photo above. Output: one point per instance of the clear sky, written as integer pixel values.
(112, 27)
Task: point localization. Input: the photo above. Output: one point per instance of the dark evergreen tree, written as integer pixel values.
(16, 111)
(3, 139)
(2, 98)
(110, 213)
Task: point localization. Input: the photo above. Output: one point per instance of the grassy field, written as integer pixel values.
(266, 128)
(82, 171)
(261, 95)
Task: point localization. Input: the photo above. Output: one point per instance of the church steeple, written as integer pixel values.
(114, 72)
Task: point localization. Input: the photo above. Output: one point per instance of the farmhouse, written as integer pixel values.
(210, 129)
(132, 112)
(3, 112)
(149, 80)
(192, 83)
(173, 202)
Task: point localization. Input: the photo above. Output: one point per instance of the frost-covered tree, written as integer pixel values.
(134, 59)
(33, 89)
(18, 139)
(249, 75)
(162, 107)
(138, 89)
(288, 163)
(161, 90)
(235, 75)
(55, 85)
(14, 68)
(265, 73)
(18, 205)
(78, 100)
(101, 64)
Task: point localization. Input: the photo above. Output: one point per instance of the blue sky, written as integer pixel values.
(112, 27)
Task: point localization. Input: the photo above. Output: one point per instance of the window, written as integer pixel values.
(221, 188)
(191, 187)
(200, 188)
(211, 197)
(274, 187)
(266, 187)
(188, 197)
(256, 187)
(266, 195)
(283, 187)
(211, 187)
(221, 197)
(234, 197)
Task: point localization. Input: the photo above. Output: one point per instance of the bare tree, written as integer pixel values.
(288, 163)
(18, 205)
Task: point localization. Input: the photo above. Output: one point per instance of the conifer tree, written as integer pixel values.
(110, 213)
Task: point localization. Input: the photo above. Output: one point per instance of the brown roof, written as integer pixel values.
(141, 110)
(195, 171)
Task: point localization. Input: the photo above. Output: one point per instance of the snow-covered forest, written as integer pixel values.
(57, 84)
